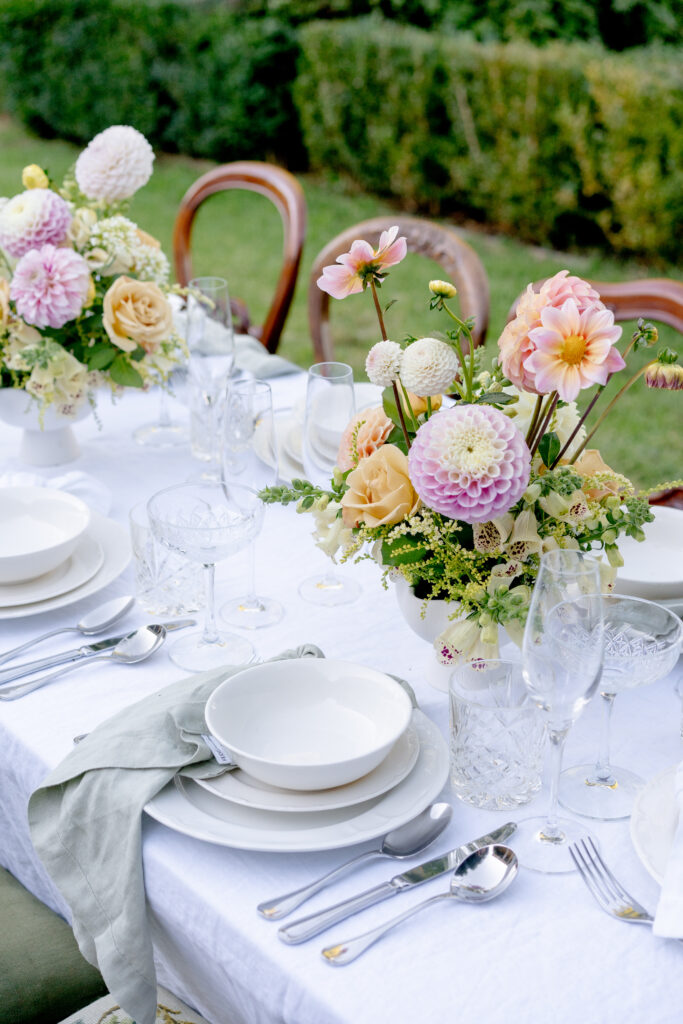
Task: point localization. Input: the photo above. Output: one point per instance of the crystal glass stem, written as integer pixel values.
(164, 414)
(551, 830)
(603, 770)
(210, 634)
(251, 600)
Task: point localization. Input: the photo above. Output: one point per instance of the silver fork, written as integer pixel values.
(608, 892)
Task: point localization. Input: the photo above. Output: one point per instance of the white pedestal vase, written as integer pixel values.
(51, 442)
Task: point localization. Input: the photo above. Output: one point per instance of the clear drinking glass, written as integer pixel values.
(330, 406)
(250, 457)
(562, 661)
(497, 735)
(164, 432)
(642, 645)
(211, 347)
(207, 523)
(166, 583)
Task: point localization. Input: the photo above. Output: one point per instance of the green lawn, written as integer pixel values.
(238, 236)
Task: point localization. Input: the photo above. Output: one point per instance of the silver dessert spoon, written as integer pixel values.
(482, 876)
(398, 844)
(135, 647)
(96, 621)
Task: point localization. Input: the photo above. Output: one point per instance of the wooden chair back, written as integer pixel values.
(460, 262)
(285, 192)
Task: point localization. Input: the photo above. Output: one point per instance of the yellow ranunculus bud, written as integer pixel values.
(444, 289)
(34, 176)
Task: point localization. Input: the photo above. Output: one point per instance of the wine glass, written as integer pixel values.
(642, 644)
(561, 662)
(164, 432)
(207, 523)
(249, 456)
(330, 406)
(211, 348)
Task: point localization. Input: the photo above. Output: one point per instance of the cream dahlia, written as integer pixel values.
(31, 219)
(429, 367)
(115, 164)
(383, 364)
(50, 286)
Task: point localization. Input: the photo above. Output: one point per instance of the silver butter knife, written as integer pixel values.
(27, 668)
(306, 927)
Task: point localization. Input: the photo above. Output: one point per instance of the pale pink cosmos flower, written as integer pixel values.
(573, 349)
(362, 263)
(367, 431)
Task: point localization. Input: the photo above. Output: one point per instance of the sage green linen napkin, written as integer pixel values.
(85, 822)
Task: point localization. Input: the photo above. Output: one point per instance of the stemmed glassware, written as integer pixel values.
(250, 456)
(642, 644)
(330, 407)
(164, 432)
(562, 661)
(211, 347)
(207, 523)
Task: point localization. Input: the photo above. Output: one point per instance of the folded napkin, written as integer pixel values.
(81, 485)
(669, 914)
(85, 822)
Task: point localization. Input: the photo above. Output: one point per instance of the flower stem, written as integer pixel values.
(378, 310)
(400, 413)
(408, 407)
(622, 391)
(467, 371)
(578, 426)
(534, 420)
(547, 415)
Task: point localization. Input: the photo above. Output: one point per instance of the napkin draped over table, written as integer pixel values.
(669, 915)
(85, 823)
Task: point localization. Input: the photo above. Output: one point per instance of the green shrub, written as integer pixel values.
(565, 144)
(192, 78)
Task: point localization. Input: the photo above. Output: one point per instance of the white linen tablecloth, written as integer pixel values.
(543, 949)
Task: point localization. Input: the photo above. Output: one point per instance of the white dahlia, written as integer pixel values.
(383, 364)
(115, 164)
(31, 219)
(429, 367)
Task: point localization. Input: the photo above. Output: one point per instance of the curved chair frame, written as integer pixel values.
(285, 192)
(441, 244)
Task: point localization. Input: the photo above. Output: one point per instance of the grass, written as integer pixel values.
(238, 236)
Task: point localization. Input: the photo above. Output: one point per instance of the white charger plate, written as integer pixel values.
(115, 544)
(653, 568)
(654, 821)
(185, 807)
(241, 788)
(76, 570)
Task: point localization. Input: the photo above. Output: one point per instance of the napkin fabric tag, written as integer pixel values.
(220, 753)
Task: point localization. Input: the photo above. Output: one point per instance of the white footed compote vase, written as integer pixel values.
(207, 523)
(48, 438)
(562, 662)
(642, 644)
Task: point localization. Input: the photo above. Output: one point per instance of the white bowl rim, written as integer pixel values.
(65, 498)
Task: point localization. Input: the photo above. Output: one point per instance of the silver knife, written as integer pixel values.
(27, 668)
(306, 927)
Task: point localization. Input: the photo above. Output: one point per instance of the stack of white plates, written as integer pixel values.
(298, 722)
(54, 550)
(653, 568)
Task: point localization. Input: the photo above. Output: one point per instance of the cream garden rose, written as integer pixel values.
(137, 313)
(379, 490)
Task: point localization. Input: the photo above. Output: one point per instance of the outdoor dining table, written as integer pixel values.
(544, 950)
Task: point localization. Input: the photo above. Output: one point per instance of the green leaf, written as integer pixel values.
(403, 551)
(396, 438)
(390, 304)
(137, 354)
(123, 373)
(390, 407)
(99, 357)
(495, 398)
(549, 448)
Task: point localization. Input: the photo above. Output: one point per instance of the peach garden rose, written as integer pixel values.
(379, 491)
(137, 313)
(366, 432)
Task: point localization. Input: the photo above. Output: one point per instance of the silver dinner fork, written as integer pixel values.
(608, 892)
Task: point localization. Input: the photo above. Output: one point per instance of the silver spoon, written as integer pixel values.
(96, 621)
(398, 844)
(135, 647)
(482, 876)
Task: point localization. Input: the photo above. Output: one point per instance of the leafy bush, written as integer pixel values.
(193, 78)
(564, 144)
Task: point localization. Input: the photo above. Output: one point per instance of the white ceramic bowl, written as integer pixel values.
(653, 568)
(308, 723)
(39, 529)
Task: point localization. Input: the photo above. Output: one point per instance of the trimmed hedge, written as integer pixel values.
(563, 145)
(195, 79)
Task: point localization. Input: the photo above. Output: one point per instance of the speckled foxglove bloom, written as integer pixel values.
(383, 364)
(115, 164)
(469, 462)
(429, 367)
(50, 286)
(362, 264)
(31, 219)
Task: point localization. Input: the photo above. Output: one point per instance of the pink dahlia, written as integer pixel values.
(361, 264)
(31, 219)
(574, 350)
(469, 462)
(50, 286)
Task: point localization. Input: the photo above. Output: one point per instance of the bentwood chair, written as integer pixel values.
(285, 192)
(459, 261)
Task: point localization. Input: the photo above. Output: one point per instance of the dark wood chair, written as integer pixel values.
(285, 192)
(460, 262)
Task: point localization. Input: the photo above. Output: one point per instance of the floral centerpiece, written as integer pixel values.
(465, 476)
(83, 291)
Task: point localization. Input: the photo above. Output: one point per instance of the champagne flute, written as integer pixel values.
(164, 432)
(250, 456)
(211, 347)
(330, 406)
(562, 656)
(642, 645)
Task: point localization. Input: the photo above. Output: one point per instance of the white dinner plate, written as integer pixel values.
(653, 568)
(654, 821)
(241, 788)
(115, 544)
(187, 808)
(76, 570)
